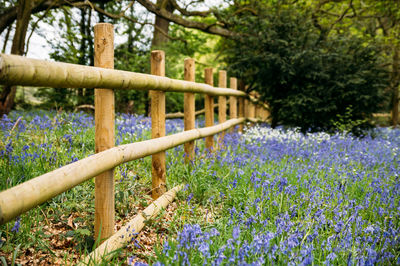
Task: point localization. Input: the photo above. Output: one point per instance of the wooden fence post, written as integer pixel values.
(252, 110)
(209, 107)
(189, 108)
(233, 101)
(158, 125)
(104, 133)
(246, 108)
(259, 109)
(241, 110)
(221, 102)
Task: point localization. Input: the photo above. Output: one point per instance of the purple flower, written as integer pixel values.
(189, 198)
(236, 232)
(17, 225)
(130, 260)
(331, 257)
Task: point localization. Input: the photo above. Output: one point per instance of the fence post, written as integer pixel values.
(253, 110)
(209, 107)
(157, 62)
(189, 108)
(246, 108)
(233, 100)
(241, 105)
(258, 111)
(104, 133)
(222, 102)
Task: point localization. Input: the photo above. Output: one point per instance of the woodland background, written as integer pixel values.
(320, 64)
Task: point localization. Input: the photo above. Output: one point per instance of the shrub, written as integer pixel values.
(307, 80)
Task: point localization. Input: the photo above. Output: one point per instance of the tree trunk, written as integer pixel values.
(23, 16)
(159, 36)
(161, 24)
(394, 83)
(82, 53)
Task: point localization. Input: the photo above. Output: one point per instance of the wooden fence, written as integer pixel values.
(17, 70)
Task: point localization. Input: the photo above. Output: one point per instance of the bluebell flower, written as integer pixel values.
(17, 225)
(236, 232)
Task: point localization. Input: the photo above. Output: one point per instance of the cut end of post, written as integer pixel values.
(158, 63)
(158, 55)
(208, 76)
(104, 24)
(189, 71)
(189, 61)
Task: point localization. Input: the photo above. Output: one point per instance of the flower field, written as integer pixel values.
(268, 196)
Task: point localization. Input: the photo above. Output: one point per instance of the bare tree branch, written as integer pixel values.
(6, 39)
(185, 12)
(9, 15)
(213, 29)
(122, 15)
(34, 27)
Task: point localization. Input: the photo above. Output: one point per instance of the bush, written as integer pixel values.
(306, 79)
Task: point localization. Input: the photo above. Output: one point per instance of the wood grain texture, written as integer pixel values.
(209, 107)
(18, 70)
(158, 168)
(232, 100)
(241, 110)
(222, 99)
(124, 236)
(104, 133)
(221, 103)
(189, 108)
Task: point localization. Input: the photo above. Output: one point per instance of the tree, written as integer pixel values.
(23, 9)
(115, 11)
(307, 80)
(378, 20)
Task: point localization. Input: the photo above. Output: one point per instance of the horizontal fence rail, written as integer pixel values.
(18, 70)
(32, 193)
(124, 235)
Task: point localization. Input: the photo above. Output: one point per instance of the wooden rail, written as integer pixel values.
(17, 70)
(25, 196)
(124, 235)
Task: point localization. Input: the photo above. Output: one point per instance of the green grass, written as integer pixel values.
(303, 198)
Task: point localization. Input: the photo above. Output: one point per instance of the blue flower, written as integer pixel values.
(236, 232)
(17, 225)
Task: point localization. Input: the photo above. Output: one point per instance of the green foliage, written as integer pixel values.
(345, 123)
(307, 81)
(133, 59)
(188, 43)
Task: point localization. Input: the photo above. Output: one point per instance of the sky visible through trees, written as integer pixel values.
(268, 44)
(39, 47)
